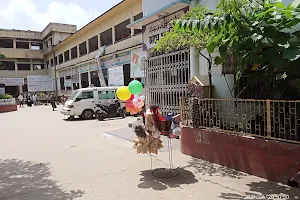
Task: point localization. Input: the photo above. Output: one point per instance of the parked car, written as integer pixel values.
(83, 101)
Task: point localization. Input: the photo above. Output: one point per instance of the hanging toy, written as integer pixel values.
(138, 101)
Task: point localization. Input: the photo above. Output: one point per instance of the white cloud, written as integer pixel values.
(23, 14)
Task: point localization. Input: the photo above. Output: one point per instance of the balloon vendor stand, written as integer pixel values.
(149, 134)
(169, 172)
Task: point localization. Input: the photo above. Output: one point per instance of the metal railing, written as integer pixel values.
(270, 119)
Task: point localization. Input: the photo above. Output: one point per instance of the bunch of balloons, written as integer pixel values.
(130, 94)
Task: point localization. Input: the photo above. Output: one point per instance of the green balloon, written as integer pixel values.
(135, 87)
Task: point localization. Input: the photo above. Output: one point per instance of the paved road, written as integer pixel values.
(44, 157)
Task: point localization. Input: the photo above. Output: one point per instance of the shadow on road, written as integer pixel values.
(25, 180)
(148, 181)
(206, 168)
(265, 189)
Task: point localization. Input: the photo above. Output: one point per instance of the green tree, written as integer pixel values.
(263, 38)
(185, 38)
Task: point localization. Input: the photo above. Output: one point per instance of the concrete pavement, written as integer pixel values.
(44, 157)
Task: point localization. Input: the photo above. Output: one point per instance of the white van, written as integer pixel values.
(83, 101)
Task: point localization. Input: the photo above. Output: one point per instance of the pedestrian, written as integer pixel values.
(63, 99)
(29, 100)
(21, 100)
(35, 100)
(52, 101)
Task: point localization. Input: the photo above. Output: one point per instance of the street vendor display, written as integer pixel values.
(148, 135)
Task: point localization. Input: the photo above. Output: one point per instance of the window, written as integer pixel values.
(7, 65)
(126, 72)
(52, 62)
(86, 95)
(95, 79)
(67, 55)
(62, 83)
(36, 46)
(93, 44)
(84, 80)
(104, 95)
(38, 66)
(22, 45)
(48, 64)
(82, 49)
(74, 53)
(106, 37)
(121, 30)
(60, 58)
(6, 43)
(22, 66)
(69, 81)
(135, 18)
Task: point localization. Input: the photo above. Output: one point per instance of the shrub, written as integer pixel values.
(6, 96)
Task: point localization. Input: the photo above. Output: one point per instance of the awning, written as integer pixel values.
(163, 12)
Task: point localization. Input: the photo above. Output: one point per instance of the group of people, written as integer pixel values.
(28, 99)
(33, 100)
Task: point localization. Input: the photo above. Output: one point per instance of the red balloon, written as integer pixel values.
(132, 97)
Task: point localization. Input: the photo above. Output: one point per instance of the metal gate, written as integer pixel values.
(167, 76)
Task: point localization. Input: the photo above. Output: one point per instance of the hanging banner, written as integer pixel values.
(68, 83)
(116, 60)
(99, 68)
(2, 91)
(122, 58)
(115, 76)
(40, 83)
(12, 81)
(75, 78)
(136, 66)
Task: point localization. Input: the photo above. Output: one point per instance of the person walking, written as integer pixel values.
(52, 101)
(29, 100)
(21, 100)
(34, 99)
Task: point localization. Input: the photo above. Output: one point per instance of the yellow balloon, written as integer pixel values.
(123, 93)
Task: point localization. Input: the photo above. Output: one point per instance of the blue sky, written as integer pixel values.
(36, 14)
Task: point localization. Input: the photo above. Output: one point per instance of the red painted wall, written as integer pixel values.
(8, 108)
(273, 160)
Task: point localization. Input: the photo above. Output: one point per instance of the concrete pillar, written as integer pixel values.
(78, 55)
(14, 43)
(20, 89)
(194, 55)
(99, 42)
(16, 66)
(31, 65)
(65, 88)
(87, 47)
(89, 77)
(194, 62)
(79, 79)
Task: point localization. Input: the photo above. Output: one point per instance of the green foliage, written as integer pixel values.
(263, 38)
(6, 96)
(185, 38)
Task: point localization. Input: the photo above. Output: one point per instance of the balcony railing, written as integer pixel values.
(269, 119)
